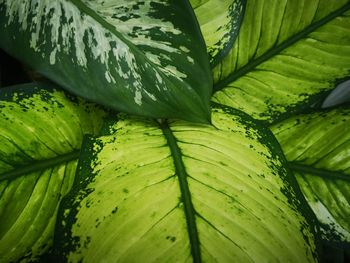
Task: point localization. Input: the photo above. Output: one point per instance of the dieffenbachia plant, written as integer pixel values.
(317, 147)
(166, 190)
(142, 57)
(151, 191)
(41, 132)
(219, 21)
(287, 55)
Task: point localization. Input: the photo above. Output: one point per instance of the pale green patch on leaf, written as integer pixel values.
(142, 57)
(287, 55)
(41, 131)
(219, 21)
(317, 146)
(180, 192)
(338, 96)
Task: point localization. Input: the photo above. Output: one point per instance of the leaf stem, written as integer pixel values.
(302, 168)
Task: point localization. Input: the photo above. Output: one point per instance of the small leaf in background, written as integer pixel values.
(220, 22)
(317, 147)
(287, 56)
(141, 57)
(181, 192)
(41, 134)
(340, 95)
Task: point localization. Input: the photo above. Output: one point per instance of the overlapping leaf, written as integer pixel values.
(143, 57)
(219, 21)
(287, 55)
(340, 95)
(41, 130)
(318, 148)
(180, 192)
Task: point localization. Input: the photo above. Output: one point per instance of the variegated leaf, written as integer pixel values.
(180, 192)
(287, 56)
(317, 146)
(41, 130)
(143, 57)
(219, 21)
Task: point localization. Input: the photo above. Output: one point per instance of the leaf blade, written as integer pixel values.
(319, 160)
(287, 70)
(138, 196)
(28, 202)
(220, 22)
(41, 132)
(139, 58)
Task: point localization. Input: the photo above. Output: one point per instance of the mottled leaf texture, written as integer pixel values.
(219, 21)
(41, 130)
(287, 55)
(317, 146)
(180, 192)
(142, 57)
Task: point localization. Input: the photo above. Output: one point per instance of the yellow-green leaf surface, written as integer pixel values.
(287, 55)
(318, 148)
(41, 130)
(219, 21)
(180, 192)
(142, 57)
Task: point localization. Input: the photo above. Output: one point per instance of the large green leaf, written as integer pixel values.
(318, 148)
(288, 54)
(219, 21)
(41, 130)
(142, 57)
(180, 192)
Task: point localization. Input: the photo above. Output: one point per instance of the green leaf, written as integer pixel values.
(181, 192)
(287, 56)
(219, 21)
(142, 57)
(41, 133)
(317, 147)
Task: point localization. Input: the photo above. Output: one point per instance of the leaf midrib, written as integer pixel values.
(185, 191)
(311, 170)
(277, 49)
(39, 165)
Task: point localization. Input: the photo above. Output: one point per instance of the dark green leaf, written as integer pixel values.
(142, 57)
